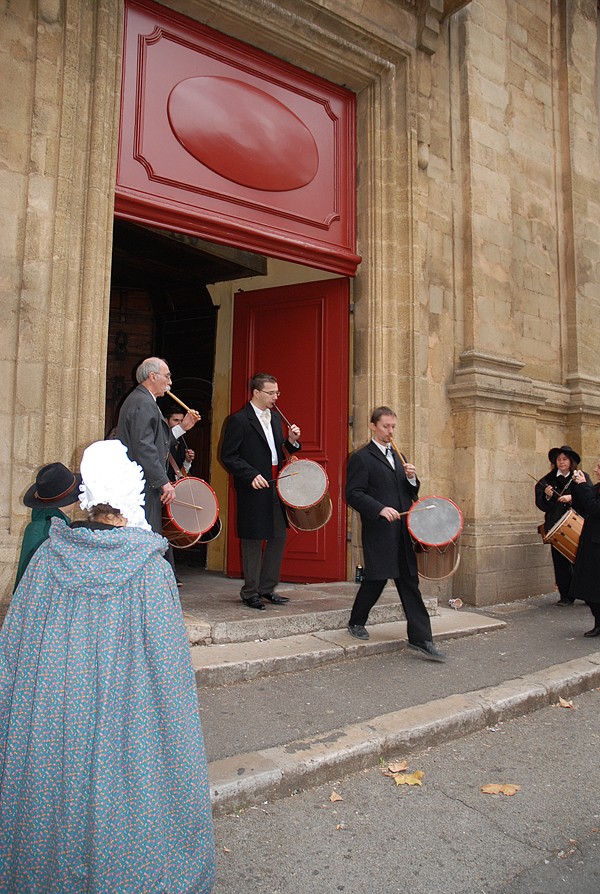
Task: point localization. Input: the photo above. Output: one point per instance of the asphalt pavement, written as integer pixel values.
(286, 732)
(362, 832)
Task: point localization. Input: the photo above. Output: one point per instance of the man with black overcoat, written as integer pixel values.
(252, 450)
(381, 486)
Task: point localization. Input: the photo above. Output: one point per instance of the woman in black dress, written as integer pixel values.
(553, 495)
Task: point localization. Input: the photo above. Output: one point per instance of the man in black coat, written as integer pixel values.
(144, 431)
(380, 486)
(252, 450)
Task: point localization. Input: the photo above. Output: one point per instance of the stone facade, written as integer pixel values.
(478, 223)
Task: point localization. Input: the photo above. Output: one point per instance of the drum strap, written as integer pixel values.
(175, 467)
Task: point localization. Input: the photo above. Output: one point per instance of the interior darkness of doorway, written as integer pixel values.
(160, 305)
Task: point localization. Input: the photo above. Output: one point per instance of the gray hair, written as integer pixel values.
(150, 365)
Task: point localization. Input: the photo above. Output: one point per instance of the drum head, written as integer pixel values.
(436, 526)
(302, 483)
(195, 507)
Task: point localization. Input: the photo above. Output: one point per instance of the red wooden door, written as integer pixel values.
(299, 334)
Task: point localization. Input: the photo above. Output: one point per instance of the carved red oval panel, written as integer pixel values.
(242, 133)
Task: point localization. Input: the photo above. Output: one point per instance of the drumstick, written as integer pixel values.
(183, 503)
(181, 404)
(418, 509)
(558, 493)
(279, 477)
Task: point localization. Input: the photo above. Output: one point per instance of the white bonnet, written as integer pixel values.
(109, 476)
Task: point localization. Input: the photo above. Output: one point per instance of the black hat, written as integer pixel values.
(568, 451)
(55, 485)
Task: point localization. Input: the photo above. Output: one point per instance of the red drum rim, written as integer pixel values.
(439, 544)
(205, 484)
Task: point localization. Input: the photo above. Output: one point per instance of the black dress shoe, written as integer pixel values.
(254, 602)
(274, 598)
(358, 631)
(429, 651)
(594, 632)
(562, 601)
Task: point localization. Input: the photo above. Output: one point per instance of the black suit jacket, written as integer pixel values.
(145, 432)
(245, 453)
(372, 484)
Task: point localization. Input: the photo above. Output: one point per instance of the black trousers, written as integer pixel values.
(262, 567)
(595, 610)
(417, 620)
(563, 574)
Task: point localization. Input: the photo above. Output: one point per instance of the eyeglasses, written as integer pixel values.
(272, 393)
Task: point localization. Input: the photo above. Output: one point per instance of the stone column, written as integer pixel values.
(63, 65)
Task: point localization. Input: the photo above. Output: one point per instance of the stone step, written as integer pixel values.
(229, 662)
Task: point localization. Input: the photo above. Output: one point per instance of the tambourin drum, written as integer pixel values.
(435, 525)
(303, 487)
(564, 535)
(192, 517)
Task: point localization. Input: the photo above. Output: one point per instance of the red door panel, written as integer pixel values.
(299, 334)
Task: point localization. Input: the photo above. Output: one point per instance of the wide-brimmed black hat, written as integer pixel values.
(568, 451)
(55, 485)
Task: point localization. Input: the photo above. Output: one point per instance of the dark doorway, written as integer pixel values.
(160, 305)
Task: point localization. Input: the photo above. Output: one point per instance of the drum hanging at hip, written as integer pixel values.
(564, 535)
(435, 525)
(192, 517)
(302, 486)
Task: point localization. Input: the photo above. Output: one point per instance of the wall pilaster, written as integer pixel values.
(59, 179)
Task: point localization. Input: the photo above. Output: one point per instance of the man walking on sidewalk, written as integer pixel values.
(381, 486)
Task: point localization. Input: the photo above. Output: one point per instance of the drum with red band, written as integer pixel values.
(192, 517)
(435, 525)
(303, 486)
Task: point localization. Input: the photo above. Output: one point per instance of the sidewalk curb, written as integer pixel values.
(277, 772)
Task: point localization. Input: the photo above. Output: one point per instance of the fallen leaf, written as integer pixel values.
(226, 850)
(409, 778)
(398, 766)
(564, 703)
(335, 797)
(500, 788)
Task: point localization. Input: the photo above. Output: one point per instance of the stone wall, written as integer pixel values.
(478, 200)
(510, 279)
(59, 65)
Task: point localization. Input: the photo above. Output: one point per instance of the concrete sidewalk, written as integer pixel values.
(262, 676)
(246, 779)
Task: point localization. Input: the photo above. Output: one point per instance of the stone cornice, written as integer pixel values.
(493, 383)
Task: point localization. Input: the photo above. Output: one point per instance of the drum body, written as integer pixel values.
(192, 517)
(564, 535)
(302, 486)
(435, 525)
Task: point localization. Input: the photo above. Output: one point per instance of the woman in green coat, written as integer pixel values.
(55, 486)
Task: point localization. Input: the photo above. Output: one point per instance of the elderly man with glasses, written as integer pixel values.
(252, 450)
(145, 432)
